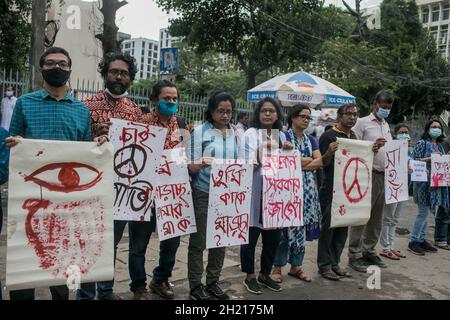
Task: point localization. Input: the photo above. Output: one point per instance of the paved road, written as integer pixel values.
(415, 277)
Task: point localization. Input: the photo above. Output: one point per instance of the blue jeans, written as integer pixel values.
(285, 254)
(141, 232)
(419, 230)
(442, 230)
(104, 288)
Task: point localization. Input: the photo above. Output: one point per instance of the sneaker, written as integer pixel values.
(373, 259)
(415, 248)
(358, 265)
(215, 291)
(427, 246)
(200, 293)
(164, 290)
(141, 294)
(252, 286)
(267, 282)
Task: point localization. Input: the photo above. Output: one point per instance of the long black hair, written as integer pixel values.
(426, 134)
(295, 111)
(214, 101)
(256, 122)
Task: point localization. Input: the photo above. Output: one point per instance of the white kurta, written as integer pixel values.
(7, 109)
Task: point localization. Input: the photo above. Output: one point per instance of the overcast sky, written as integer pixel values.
(143, 18)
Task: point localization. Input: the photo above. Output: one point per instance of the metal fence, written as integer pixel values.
(191, 107)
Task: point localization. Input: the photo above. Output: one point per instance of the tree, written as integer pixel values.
(254, 32)
(108, 37)
(401, 56)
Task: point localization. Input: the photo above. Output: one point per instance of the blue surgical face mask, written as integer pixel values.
(435, 132)
(167, 108)
(383, 113)
(403, 136)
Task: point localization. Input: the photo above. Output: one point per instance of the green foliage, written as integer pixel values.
(401, 56)
(259, 34)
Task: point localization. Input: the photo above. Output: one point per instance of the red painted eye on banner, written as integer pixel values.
(68, 177)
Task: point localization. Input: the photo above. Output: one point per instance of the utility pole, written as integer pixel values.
(38, 12)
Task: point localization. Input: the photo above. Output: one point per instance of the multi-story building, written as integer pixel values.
(146, 52)
(166, 40)
(434, 15)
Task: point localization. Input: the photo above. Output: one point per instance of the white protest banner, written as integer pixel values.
(138, 149)
(419, 173)
(173, 196)
(60, 222)
(440, 170)
(229, 203)
(396, 171)
(282, 189)
(352, 190)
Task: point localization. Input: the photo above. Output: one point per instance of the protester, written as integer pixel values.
(165, 100)
(363, 239)
(332, 240)
(265, 131)
(215, 138)
(427, 198)
(4, 171)
(242, 124)
(292, 244)
(118, 71)
(442, 228)
(392, 211)
(7, 107)
(50, 114)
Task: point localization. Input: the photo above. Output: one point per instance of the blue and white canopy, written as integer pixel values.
(301, 87)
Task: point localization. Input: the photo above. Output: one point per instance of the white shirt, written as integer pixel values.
(370, 129)
(7, 109)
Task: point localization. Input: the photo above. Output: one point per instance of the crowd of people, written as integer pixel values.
(52, 113)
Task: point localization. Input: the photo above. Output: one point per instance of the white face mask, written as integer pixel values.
(9, 93)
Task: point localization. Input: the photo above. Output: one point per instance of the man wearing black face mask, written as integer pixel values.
(118, 71)
(70, 121)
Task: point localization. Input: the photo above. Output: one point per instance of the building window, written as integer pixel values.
(425, 15)
(155, 47)
(443, 35)
(143, 44)
(132, 52)
(434, 32)
(143, 52)
(435, 14)
(445, 11)
(167, 42)
(148, 75)
(155, 55)
(142, 75)
(149, 61)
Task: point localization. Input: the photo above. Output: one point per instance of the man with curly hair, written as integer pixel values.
(118, 71)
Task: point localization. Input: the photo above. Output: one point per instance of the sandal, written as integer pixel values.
(342, 272)
(389, 255)
(330, 275)
(299, 274)
(398, 253)
(276, 275)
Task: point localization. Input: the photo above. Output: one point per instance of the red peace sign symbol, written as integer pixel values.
(128, 167)
(360, 165)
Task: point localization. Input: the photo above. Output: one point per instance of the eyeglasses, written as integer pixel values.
(52, 64)
(122, 73)
(271, 111)
(351, 114)
(304, 117)
(223, 112)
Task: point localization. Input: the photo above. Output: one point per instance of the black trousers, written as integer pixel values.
(270, 242)
(331, 241)
(58, 293)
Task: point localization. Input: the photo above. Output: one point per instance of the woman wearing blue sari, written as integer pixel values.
(292, 244)
(427, 198)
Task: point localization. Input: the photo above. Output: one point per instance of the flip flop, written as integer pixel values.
(330, 275)
(389, 255)
(299, 274)
(398, 253)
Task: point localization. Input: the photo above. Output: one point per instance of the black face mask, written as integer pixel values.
(56, 77)
(116, 87)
